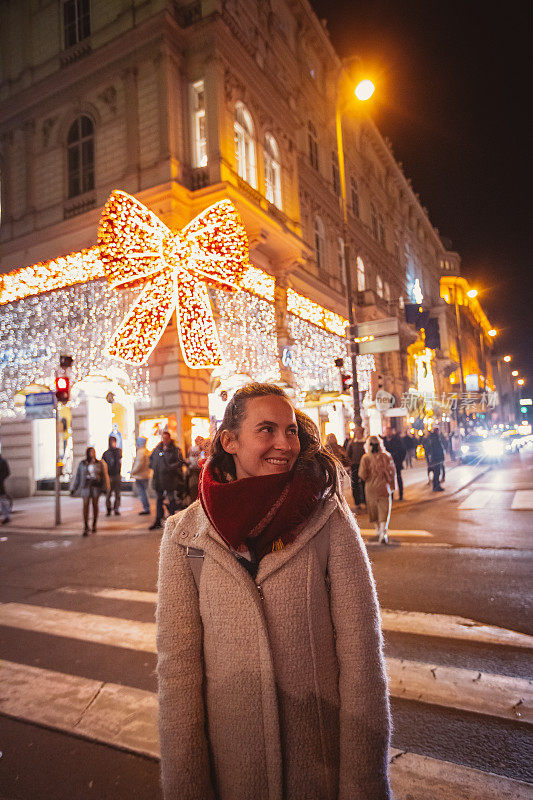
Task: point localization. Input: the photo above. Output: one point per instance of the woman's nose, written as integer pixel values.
(283, 441)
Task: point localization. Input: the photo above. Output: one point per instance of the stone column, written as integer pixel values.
(131, 97)
(214, 110)
(284, 340)
(6, 144)
(29, 131)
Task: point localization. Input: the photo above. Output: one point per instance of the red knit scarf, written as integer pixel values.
(260, 513)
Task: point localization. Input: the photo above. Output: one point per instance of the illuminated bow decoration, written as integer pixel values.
(173, 268)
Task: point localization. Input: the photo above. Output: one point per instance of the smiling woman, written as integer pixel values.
(270, 668)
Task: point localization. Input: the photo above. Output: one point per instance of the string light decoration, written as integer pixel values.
(77, 320)
(137, 249)
(312, 312)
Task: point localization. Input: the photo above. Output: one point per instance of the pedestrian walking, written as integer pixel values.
(140, 472)
(270, 670)
(90, 481)
(378, 472)
(435, 457)
(355, 452)
(409, 442)
(166, 461)
(5, 500)
(395, 446)
(113, 460)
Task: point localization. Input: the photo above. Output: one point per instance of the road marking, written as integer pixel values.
(123, 717)
(114, 631)
(409, 534)
(450, 627)
(414, 776)
(523, 501)
(104, 712)
(465, 689)
(510, 698)
(478, 499)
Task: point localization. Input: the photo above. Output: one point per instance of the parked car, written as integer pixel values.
(476, 449)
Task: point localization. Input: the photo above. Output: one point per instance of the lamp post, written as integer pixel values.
(364, 91)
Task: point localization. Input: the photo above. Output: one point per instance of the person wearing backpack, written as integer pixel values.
(270, 668)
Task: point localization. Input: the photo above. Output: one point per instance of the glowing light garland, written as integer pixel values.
(312, 312)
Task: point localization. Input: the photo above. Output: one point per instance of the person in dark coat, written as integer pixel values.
(5, 503)
(409, 442)
(395, 446)
(113, 460)
(166, 461)
(90, 481)
(435, 457)
(355, 451)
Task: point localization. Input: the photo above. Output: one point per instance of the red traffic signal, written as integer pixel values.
(62, 388)
(346, 383)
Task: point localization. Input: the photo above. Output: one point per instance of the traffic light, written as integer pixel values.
(62, 388)
(346, 381)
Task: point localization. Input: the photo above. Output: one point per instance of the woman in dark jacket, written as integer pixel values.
(90, 481)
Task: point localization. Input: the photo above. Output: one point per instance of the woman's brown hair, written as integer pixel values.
(313, 459)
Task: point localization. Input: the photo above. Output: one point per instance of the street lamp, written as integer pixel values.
(493, 332)
(514, 373)
(520, 381)
(507, 359)
(363, 91)
(472, 293)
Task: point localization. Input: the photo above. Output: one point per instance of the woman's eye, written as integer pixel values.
(267, 428)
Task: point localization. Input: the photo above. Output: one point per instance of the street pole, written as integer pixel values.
(57, 485)
(350, 333)
(459, 350)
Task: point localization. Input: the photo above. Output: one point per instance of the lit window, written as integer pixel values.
(355, 198)
(272, 171)
(386, 291)
(379, 286)
(313, 145)
(401, 302)
(360, 274)
(80, 156)
(244, 145)
(320, 243)
(341, 262)
(199, 135)
(76, 21)
(335, 176)
(374, 221)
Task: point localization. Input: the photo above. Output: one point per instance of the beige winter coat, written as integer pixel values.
(273, 689)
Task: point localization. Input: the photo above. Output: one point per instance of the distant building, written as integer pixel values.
(182, 105)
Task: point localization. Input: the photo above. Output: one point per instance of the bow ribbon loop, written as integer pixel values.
(137, 249)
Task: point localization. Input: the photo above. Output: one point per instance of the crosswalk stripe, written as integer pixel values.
(450, 627)
(484, 693)
(523, 500)
(409, 534)
(466, 689)
(478, 499)
(126, 718)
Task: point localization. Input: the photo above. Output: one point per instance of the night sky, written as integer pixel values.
(454, 97)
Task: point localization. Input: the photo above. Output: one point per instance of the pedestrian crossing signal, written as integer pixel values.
(62, 388)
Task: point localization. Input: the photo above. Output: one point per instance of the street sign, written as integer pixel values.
(381, 344)
(526, 401)
(377, 327)
(40, 405)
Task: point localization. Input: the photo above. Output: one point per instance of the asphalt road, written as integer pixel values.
(449, 561)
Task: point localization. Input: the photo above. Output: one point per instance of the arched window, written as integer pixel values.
(243, 128)
(80, 156)
(360, 274)
(272, 171)
(341, 262)
(313, 144)
(320, 243)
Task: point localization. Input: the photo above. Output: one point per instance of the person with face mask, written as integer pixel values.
(378, 472)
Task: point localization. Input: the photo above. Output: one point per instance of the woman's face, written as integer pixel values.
(267, 442)
(92, 454)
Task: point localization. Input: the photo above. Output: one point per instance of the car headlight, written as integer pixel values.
(493, 447)
(465, 448)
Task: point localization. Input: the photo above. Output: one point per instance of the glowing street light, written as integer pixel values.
(472, 293)
(493, 332)
(520, 381)
(514, 373)
(507, 358)
(364, 90)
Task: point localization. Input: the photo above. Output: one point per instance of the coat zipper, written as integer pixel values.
(260, 590)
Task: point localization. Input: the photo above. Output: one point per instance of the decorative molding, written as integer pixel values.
(109, 98)
(46, 130)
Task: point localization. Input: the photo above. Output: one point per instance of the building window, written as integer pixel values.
(386, 291)
(355, 198)
(80, 156)
(320, 243)
(341, 258)
(335, 175)
(272, 171)
(199, 135)
(374, 221)
(379, 286)
(401, 302)
(244, 145)
(313, 145)
(360, 274)
(76, 21)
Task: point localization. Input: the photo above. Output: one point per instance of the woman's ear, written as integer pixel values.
(228, 441)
